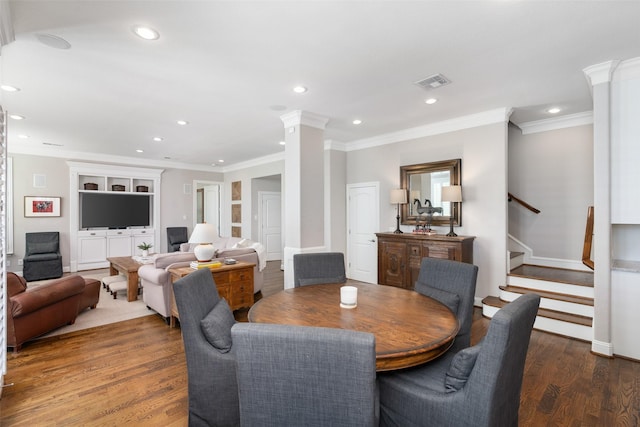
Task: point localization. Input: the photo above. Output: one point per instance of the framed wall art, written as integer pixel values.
(37, 206)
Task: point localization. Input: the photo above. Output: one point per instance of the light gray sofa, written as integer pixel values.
(156, 279)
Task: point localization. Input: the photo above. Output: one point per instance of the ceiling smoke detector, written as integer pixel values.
(433, 82)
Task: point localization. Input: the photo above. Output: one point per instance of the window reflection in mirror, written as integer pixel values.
(424, 183)
(427, 188)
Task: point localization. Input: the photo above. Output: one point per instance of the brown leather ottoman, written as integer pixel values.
(89, 298)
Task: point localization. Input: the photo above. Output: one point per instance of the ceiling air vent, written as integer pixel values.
(433, 82)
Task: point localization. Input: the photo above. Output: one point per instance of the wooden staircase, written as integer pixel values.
(566, 305)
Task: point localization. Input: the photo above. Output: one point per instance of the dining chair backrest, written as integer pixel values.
(317, 268)
(211, 371)
(453, 283)
(479, 386)
(305, 376)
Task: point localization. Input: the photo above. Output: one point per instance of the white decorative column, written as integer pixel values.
(599, 76)
(303, 187)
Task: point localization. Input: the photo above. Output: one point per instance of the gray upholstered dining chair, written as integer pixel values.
(476, 387)
(206, 320)
(317, 268)
(305, 376)
(453, 283)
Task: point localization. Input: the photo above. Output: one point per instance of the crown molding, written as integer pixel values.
(332, 144)
(498, 115)
(103, 158)
(299, 117)
(554, 123)
(259, 161)
(628, 70)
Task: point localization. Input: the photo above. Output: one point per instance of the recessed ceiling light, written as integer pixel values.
(182, 122)
(23, 136)
(431, 101)
(553, 110)
(139, 151)
(357, 122)
(282, 143)
(300, 89)
(146, 33)
(220, 161)
(8, 88)
(16, 117)
(157, 139)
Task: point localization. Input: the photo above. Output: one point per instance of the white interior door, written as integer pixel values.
(270, 206)
(363, 216)
(212, 205)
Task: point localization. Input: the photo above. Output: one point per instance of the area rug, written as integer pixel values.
(108, 310)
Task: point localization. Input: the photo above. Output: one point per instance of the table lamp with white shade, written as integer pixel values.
(204, 234)
(398, 196)
(452, 194)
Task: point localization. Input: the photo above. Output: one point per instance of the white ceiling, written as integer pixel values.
(228, 67)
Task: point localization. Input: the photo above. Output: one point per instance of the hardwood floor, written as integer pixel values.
(134, 373)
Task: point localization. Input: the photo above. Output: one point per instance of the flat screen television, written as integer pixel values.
(112, 210)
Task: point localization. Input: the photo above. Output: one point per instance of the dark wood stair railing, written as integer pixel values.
(588, 238)
(523, 203)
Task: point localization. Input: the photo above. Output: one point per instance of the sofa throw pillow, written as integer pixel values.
(461, 366)
(243, 243)
(216, 326)
(451, 300)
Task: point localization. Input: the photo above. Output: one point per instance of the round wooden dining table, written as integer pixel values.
(410, 328)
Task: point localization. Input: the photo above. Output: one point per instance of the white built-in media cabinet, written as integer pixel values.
(90, 247)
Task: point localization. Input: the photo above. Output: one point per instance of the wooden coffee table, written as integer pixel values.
(129, 268)
(410, 328)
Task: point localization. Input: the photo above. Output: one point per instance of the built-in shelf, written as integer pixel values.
(89, 249)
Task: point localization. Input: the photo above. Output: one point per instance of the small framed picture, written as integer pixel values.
(41, 206)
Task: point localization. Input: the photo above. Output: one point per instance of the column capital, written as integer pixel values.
(299, 117)
(600, 73)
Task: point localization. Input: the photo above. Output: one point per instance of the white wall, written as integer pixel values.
(483, 151)
(176, 204)
(56, 175)
(552, 171)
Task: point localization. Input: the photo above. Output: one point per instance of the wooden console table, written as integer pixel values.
(234, 283)
(400, 255)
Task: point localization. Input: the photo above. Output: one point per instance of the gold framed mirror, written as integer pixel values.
(424, 183)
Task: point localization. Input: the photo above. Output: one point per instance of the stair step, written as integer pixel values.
(551, 314)
(553, 274)
(550, 295)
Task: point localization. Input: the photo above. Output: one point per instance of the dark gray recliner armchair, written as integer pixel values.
(206, 322)
(476, 387)
(175, 237)
(290, 376)
(453, 283)
(42, 259)
(317, 268)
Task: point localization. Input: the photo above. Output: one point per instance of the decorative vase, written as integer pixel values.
(145, 252)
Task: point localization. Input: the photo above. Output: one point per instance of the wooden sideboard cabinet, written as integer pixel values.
(400, 255)
(234, 283)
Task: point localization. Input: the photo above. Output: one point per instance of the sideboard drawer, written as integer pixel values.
(240, 275)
